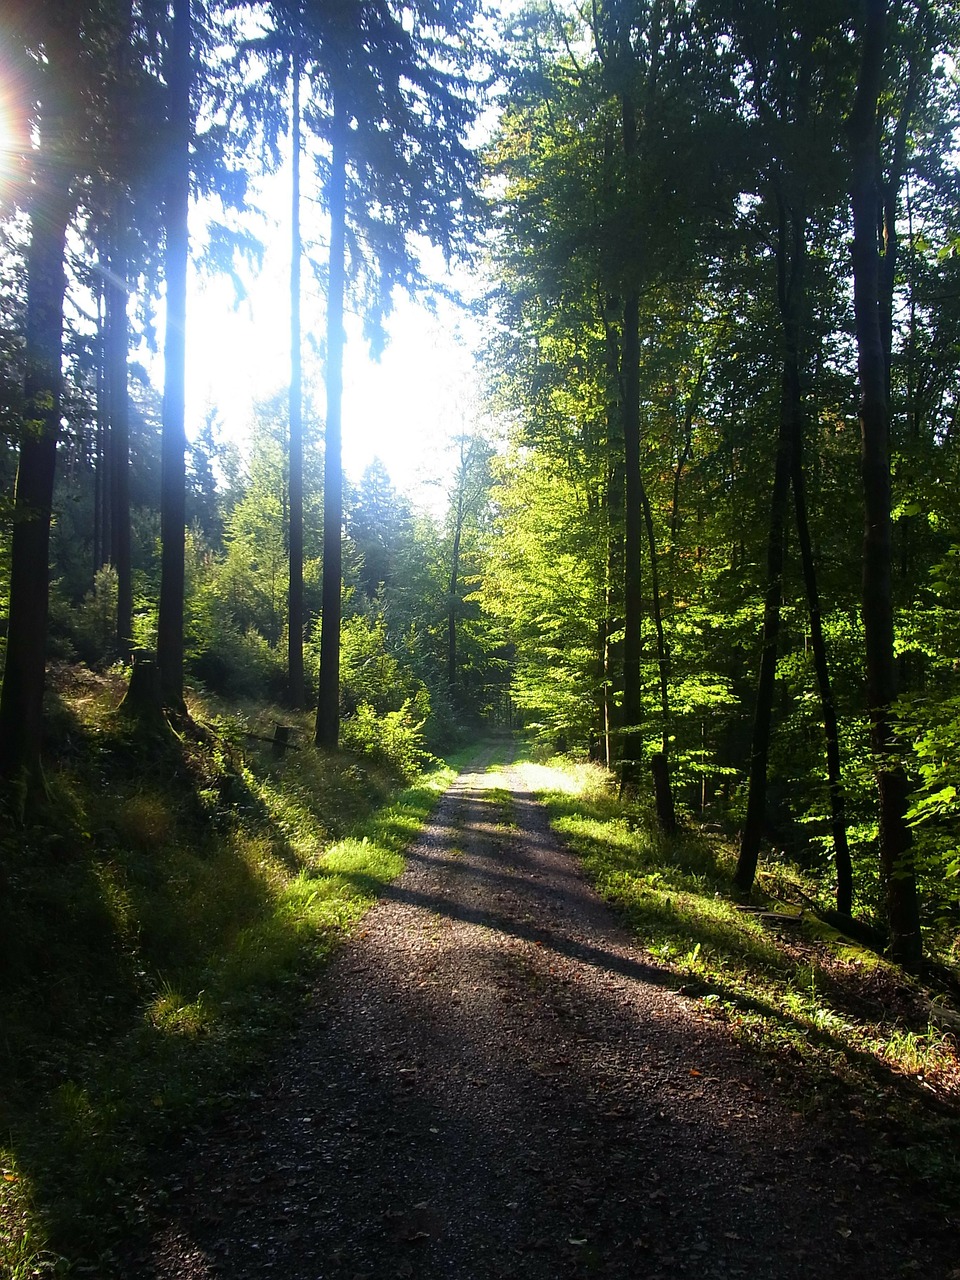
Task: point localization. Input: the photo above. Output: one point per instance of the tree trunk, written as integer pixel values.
(328, 705)
(689, 410)
(918, 66)
(631, 736)
(792, 290)
(118, 344)
(838, 821)
(116, 288)
(662, 793)
(896, 859)
(790, 294)
(750, 837)
(790, 410)
(452, 598)
(612, 669)
(142, 704)
(173, 447)
(101, 485)
(21, 695)
(295, 678)
(666, 814)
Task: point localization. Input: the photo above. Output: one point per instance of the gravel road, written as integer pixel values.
(494, 1081)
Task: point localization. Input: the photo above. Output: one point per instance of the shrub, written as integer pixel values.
(393, 738)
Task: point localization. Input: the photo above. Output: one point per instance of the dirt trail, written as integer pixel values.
(492, 1081)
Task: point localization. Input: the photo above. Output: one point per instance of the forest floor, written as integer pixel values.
(493, 1079)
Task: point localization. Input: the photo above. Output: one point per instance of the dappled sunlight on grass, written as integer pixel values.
(22, 1252)
(579, 778)
(795, 995)
(169, 913)
(171, 1013)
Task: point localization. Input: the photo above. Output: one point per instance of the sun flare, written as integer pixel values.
(14, 142)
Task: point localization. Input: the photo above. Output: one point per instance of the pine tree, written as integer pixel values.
(398, 103)
(48, 39)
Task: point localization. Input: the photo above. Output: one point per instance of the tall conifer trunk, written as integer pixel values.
(24, 673)
(328, 704)
(896, 860)
(118, 343)
(117, 338)
(173, 447)
(101, 480)
(295, 677)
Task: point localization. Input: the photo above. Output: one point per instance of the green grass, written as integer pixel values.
(157, 928)
(832, 1022)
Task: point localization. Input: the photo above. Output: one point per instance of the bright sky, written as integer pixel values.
(403, 408)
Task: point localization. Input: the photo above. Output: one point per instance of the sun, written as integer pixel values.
(14, 139)
(402, 409)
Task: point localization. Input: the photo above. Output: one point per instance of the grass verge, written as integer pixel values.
(834, 1023)
(159, 925)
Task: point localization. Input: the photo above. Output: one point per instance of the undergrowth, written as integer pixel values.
(834, 1023)
(158, 924)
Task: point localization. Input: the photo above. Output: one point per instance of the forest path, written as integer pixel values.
(494, 1081)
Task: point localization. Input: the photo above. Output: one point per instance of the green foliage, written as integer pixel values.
(88, 630)
(545, 589)
(392, 738)
(932, 728)
(581, 223)
(370, 672)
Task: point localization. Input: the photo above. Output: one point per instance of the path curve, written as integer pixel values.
(493, 1081)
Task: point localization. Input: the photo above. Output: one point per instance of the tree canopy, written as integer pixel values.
(703, 527)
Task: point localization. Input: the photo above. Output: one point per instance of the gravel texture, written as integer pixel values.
(494, 1081)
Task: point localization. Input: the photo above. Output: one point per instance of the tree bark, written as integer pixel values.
(788, 285)
(749, 854)
(793, 302)
(173, 446)
(918, 66)
(118, 344)
(101, 481)
(328, 704)
(663, 796)
(838, 806)
(896, 861)
(116, 289)
(452, 597)
(295, 677)
(612, 669)
(631, 736)
(24, 673)
(142, 704)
